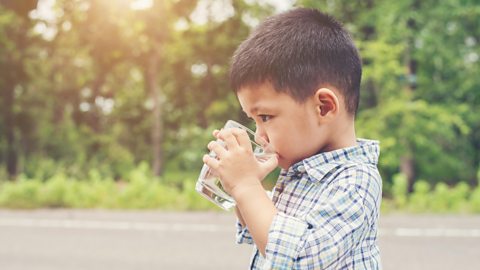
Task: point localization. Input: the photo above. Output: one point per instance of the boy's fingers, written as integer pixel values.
(210, 162)
(217, 148)
(229, 139)
(242, 137)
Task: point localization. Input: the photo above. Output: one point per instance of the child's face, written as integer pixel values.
(291, 128)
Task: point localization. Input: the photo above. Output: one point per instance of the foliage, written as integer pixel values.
(419, 97)
(143, 191)
(139, 191)
(428, 198)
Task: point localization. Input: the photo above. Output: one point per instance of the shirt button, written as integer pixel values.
(301, 169)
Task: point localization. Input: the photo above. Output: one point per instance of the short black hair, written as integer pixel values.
(299, 51)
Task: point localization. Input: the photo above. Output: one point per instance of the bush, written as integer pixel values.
(459, 198)
(475, 200)
(53, 191)
(447, 199)
(139, 191)
(441, 199)
(400, 190)
(420, 198)
(23, 194)
(176, 191)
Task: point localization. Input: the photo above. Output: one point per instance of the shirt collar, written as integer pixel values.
(317, 166)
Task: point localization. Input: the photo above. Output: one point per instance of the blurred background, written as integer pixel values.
(110, 104)
(119, 97)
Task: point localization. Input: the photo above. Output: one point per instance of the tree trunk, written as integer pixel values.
(13, 75)
(407, 169)
(476, 163)
(157, 127)
(11, 154)
(407, 165)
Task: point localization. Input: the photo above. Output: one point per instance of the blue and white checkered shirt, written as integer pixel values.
(328, 208)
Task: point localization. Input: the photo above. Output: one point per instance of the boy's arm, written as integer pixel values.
(256, 211)
(242, 235)
(239, 216)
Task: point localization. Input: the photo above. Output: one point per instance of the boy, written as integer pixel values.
(298, 76)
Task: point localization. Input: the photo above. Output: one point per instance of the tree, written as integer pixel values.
(15, 40)
(411, 65)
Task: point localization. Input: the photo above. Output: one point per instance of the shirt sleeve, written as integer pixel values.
(326, 234)
(243, 235)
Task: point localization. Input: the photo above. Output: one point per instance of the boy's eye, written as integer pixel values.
(264, 117)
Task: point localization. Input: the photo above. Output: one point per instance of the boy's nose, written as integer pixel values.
(261, 137)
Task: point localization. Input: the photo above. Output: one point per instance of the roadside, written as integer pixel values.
(97, 239)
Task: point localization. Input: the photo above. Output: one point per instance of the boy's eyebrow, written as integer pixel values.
(254, 109)
(257, 108)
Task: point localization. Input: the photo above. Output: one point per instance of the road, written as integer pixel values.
(121, 240)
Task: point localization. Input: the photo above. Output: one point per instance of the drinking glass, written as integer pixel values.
(209, 185)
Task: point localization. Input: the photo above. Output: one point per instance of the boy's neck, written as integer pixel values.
(343, 136)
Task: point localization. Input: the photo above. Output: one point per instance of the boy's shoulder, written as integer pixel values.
(352, 161)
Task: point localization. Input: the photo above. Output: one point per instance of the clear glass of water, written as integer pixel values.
(209, 185)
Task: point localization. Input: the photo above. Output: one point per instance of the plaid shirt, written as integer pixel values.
(328, 208)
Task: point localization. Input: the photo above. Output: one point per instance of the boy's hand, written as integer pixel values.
(235, 163)
(241, 173)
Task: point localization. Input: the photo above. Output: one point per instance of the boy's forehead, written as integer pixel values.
(252, 110)
(249, 106)
(253, 98)
(260, 98)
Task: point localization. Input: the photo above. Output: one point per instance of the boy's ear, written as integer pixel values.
(326, 103)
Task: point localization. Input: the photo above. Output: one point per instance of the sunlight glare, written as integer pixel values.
(141, 4)
(216, 11)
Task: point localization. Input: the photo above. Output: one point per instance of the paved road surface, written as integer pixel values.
(86, 239)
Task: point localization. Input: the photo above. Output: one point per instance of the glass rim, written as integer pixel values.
(251, 132)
